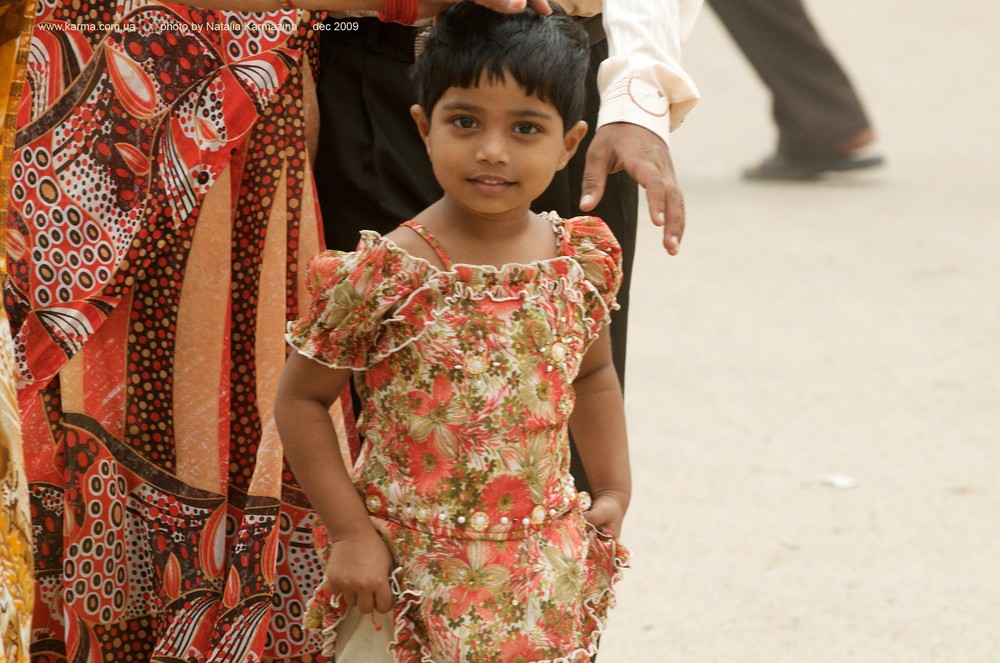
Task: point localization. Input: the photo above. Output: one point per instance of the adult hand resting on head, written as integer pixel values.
(516, 6)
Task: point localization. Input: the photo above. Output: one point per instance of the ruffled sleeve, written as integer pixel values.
(353, 296)
(598, 253)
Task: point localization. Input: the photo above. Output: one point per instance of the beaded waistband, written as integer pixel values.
(518, 521)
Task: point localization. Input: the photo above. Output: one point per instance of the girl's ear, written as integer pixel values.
(423, 123)
(571, 141)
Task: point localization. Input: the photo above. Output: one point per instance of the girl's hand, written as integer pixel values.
(358, 569)
(606, 513)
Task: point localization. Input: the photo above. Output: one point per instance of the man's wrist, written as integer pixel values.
(619, 112)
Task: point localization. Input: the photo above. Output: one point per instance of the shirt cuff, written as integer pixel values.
(645, 92)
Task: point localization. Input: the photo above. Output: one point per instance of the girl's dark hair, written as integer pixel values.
(546, 55)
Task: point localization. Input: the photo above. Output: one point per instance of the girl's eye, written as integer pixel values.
(464, 122)
(525, 129)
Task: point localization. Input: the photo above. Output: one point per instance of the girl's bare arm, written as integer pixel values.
(359, 563)
(598, 426)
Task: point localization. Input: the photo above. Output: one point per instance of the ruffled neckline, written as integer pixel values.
(567, 252)
(386, 295)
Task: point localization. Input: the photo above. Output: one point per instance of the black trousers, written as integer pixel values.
(372, 171)
(814, 104)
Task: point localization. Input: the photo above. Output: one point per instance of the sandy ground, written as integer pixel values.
(814, 384)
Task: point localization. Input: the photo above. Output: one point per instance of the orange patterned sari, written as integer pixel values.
(161, 213)
(16, 588)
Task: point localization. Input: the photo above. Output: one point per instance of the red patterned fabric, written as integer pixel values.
(160, 202)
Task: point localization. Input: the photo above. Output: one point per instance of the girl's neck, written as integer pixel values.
(488, 228)
(517, 236)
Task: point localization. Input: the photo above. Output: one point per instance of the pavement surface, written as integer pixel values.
(814, 383)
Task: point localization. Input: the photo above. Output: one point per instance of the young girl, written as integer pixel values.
(475, 333)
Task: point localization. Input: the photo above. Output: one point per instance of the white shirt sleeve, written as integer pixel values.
(642, 81)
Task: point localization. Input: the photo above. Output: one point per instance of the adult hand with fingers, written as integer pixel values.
(516, 6)
(646, 158)
(432, 8)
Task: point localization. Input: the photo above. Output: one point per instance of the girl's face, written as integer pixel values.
(494, 148)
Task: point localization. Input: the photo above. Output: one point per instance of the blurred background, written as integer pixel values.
(814, 383)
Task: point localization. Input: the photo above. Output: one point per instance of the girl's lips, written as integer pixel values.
(491, 183)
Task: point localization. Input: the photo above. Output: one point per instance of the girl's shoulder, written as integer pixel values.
(411, 244)
(350, 321)
(589, 236)
(377, 263)
(589, 241)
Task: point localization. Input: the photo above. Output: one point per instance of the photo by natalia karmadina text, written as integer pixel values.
(269, 27)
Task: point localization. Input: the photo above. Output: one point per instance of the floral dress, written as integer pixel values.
(465, 376)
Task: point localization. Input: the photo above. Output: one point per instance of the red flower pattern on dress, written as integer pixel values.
(436, 416)
(379, 376)
(475, 577)
(542, 391)
(427, 465)
(519, 649)
(505, 493)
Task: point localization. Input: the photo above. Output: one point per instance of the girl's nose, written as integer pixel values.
(493, 148)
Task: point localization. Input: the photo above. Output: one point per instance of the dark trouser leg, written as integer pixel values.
(372, 171)
(814, 105)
